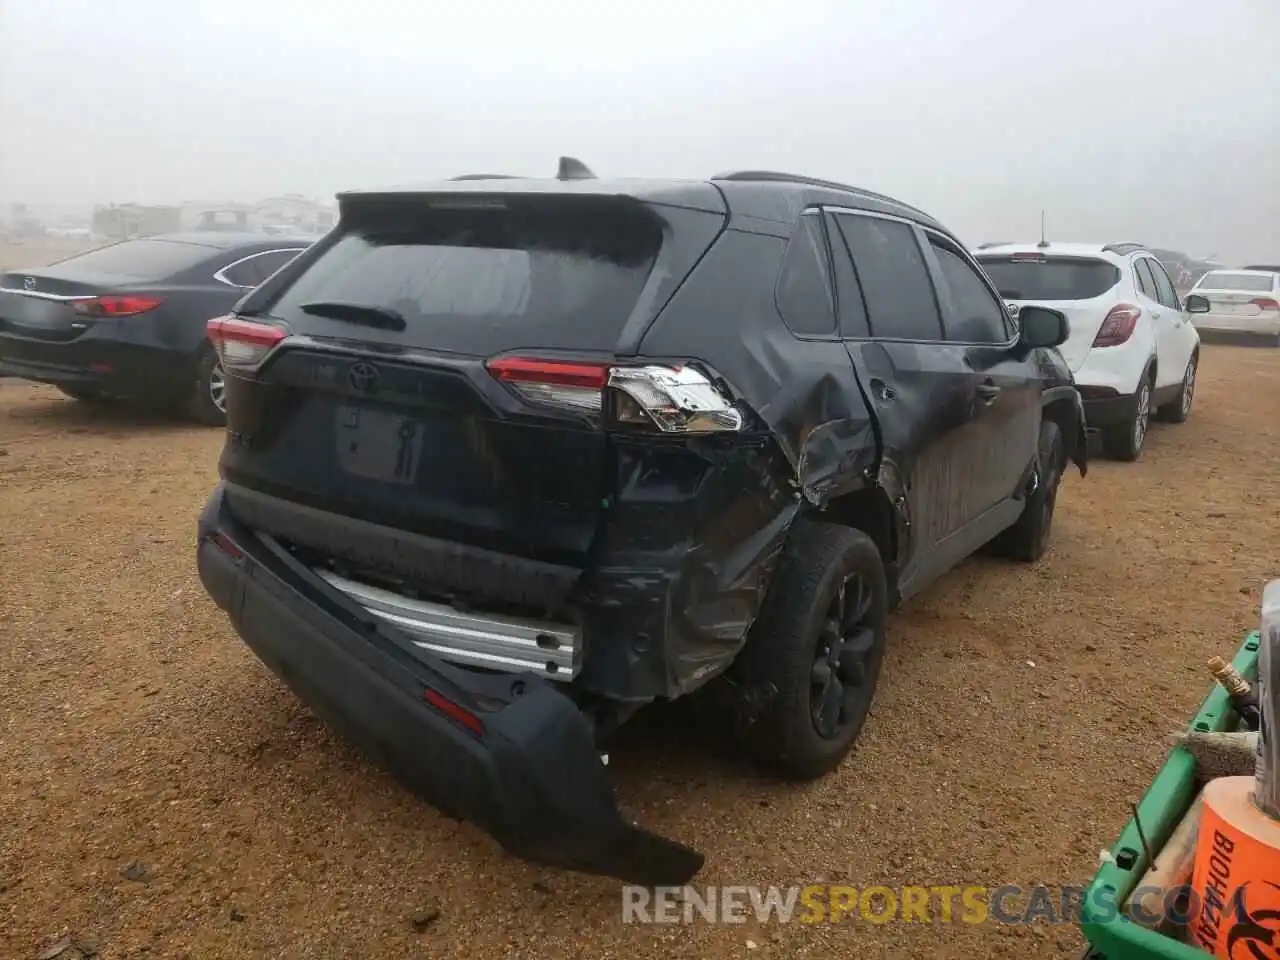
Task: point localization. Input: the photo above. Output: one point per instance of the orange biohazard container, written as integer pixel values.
(1236, 883)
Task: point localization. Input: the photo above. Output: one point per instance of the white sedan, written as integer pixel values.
(1237, 301)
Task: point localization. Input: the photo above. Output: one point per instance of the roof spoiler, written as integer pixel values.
(572, 168)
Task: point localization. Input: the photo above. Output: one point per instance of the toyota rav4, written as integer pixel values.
(508, 459)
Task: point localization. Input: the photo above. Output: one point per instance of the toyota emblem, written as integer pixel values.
(28, 283)
(363, 377)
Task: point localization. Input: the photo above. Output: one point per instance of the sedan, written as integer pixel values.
(128, 320)
(1241, 303)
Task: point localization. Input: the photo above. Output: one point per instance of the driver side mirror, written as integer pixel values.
(1196, 303)
(1041, 327)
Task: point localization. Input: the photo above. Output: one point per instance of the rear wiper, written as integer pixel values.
(384, 318)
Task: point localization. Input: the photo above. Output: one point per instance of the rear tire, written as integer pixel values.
(1029, 538)
(209, 389)
(1126, 441)
(1178, 409)
(806, 677)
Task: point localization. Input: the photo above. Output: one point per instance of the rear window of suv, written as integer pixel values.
(1050, 278)
(482, 280)
(1244, 282)
(137, 260)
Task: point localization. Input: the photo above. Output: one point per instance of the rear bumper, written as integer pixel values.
(530, 776)
(97, 359)
(1103, 411)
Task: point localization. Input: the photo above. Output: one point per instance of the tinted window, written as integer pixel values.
(256, 269)
(804, 285)
(1050, 278)
(1146, 282)
(849, 303)
(137, 260)
(974, 315)
(1245, 282)
(895, 281)
(481, 280)
(1164, 286)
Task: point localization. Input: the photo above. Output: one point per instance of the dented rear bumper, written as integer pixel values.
(509, 753)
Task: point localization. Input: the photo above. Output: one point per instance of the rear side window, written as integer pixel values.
(1244, 282)
(1146, 282)
(1050, 278)
(804, 283)
(480, 280)
(1164, 286)
(253, 270)
(895, 282)
(974, 315)
(138, 259)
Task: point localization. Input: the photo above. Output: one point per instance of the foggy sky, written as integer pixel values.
(1125, 119)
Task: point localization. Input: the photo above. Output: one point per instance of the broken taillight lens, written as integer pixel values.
(670, 398)
(242, 344)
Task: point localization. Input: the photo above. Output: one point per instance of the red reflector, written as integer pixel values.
(126, 305)
(102, 368)
(1265, 303)
(560, 373)
(453, 711)
(227, 545)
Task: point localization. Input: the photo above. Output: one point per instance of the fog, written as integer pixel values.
(1154, 120)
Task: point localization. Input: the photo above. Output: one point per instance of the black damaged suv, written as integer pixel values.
(508, 459)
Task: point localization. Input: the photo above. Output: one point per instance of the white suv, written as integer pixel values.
(1132, 347)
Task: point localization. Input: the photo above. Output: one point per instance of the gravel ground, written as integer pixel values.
(165, 796)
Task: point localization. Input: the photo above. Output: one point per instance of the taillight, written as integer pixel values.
(242, 344)
(572, 386)
(1118, 326)
(674, 399)
(1265, 303)
(121, 305)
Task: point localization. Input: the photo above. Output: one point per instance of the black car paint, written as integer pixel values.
(667, 568)
(146, 355)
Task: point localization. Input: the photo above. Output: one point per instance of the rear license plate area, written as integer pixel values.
(378, 444)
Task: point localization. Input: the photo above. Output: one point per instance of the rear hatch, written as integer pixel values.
(56, 303)
(1082, 288)
(387, 403)
(1243, 295)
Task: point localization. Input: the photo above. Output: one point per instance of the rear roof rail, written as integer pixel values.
(1124, 247)
(773, 176)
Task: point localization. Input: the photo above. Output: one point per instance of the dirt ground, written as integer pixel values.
(1021, 711)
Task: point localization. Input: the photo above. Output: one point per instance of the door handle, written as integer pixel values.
(987, 392)
(882, 390)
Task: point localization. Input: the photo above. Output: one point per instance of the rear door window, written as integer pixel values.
(972, 314)
(482, 279)
(1045, 278)
(804, 283)
(890, 268)
(145, 259)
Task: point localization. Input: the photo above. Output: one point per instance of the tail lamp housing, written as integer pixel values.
(671, 398)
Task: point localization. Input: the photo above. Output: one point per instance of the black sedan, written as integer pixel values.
(128, 320)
